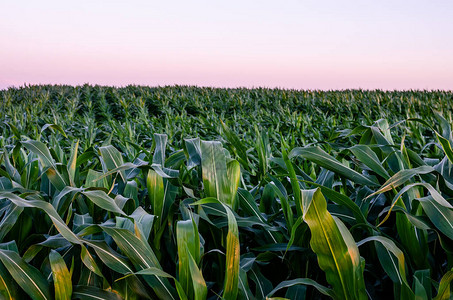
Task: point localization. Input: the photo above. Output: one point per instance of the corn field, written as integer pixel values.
(201, 193)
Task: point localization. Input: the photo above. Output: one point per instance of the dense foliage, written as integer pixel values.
(197, 193)
(95, 115)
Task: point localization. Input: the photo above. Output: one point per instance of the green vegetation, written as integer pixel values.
(197, 193)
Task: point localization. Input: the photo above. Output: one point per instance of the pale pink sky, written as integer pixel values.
(290, 44)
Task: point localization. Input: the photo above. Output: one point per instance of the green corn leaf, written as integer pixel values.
(89, 261)
(152, 271)
(160, 141)
(30, 174)
(231, 282)
(112, 159)
(54, 127)
(321, 158)
(424, 283)
(43, 153)
(244, 289)
(217, 176)
(401, 177)
(214, 169)
(144, 221)
(446, 146)
(57, 178)
(444, 142)
(49, 209)
(293, 233)
(304, 281)
(286, 208)
(263, 285)
(11, 246)
(93, 293)
(443, 293)
(193, 149)
(26, 276)
(161, 194)
(101, 199)
(47, 162)
(267, 201)
(357, 261)
(143, 257)
(10, 169)
(419, 290)
(390, 246)
(248, 204)
(406, 229)
(190, 276)
(439, 215)
(96, 179)
(435, 206)
(176, 159)
(262, 149)
(184, 232)
(198, 282)
(8, 287)
(139, 252)
(72, 163)
(387, 252)
(232, 258)
(234, 176)
(444, 124)
(119, 264)
(341, 199)
(127, 168)
(294, 181)
(61, 276)
(109, 257)
(81, 222)
(337, 253)
(370, 159)
(61, 200)
(12, 213)
(5, 184)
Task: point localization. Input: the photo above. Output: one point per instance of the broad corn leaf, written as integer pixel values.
(219, 181)
(50, 211)
(370, 159)
(337, 256)
(26, 276)
(234, 176)
(393, 262)
(112, 159)
(61, 276)
(143, 257)
(214, 169)
(320, 157)
(188, 247)
(231, 281)
(444, 293)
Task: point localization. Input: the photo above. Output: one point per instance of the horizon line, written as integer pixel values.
(28, 85)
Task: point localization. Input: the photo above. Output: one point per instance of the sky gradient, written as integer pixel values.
(288, 44)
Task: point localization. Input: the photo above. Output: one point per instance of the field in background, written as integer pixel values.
(96, 114)
(185, 192)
